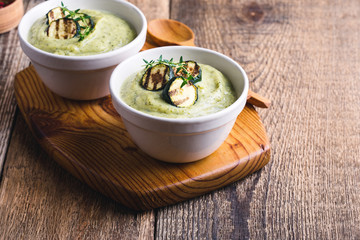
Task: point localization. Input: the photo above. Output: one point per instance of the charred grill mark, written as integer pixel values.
(196, 70)
(173, 92)
(191, 67)
(179, 102)
(57, 26)
(55, 14)
(178, 73)
(182, 96)
(66, 28)
(155, 78)
(62, 29)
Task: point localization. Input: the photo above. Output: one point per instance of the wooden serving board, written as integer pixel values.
(88, 139)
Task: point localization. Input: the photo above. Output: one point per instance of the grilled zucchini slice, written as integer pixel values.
(156, 77)
(178, 94)
(192, 68)
(85, 21)
(63, 28)
(55, 14)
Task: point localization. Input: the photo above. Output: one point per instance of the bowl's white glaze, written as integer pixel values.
(81, 77)
(180, 140)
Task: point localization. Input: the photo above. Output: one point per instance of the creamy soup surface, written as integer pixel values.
(110, 32)
(215, 93)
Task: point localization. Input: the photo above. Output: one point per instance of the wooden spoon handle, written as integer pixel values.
(258, 100)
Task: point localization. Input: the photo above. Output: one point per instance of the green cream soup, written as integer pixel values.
(215, 93)
(110, 32)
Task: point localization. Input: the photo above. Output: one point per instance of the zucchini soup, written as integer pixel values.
(80, 32)
(185, 89)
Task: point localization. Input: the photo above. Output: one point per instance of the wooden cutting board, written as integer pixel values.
(88, 139)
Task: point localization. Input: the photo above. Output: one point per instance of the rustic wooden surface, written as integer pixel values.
(89, 139)
(303, 55)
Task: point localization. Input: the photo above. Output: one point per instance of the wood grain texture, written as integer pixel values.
(12, 60)
(292, 52)
(152, 10)
(304, 56)
(40, 200)
(89, 139)
(34, 200)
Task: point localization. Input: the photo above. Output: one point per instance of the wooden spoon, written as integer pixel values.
(164, 32)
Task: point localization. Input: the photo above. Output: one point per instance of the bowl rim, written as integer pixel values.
(83, 57)
(194, 120)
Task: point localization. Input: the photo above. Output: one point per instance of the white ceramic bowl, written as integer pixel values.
(81, 77)
(179, 140)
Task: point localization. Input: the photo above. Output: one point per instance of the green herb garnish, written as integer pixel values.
(81, 19)
(179, 67)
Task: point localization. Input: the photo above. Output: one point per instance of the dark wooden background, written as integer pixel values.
(303, 55)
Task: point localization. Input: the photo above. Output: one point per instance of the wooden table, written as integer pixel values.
(303, 55)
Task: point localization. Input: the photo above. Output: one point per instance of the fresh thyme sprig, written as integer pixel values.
(78, 18)
(179, 67)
